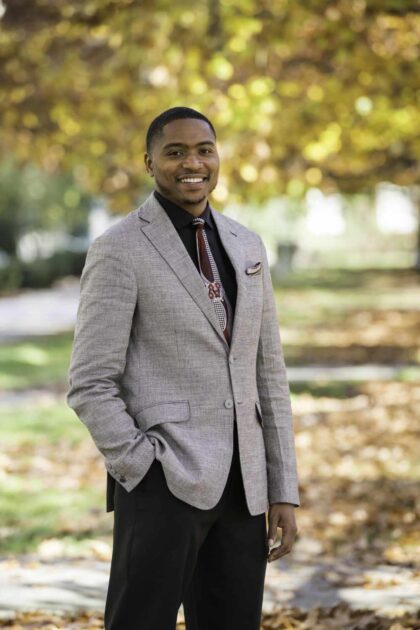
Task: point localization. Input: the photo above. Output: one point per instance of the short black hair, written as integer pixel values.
(175, 113)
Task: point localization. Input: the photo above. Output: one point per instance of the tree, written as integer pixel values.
(32, 200)
(321, 93)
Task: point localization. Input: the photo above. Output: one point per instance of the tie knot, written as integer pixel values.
(198, 221)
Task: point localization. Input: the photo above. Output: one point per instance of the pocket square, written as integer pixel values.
(254, 269)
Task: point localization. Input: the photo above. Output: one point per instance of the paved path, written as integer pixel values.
(39, 312)
(303, 580)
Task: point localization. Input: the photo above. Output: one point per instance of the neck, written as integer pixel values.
(195, 209)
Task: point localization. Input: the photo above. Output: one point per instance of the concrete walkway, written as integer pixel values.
(303, 580)
(39, 312)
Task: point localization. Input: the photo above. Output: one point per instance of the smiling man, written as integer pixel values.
(178, 372)
(182, 157)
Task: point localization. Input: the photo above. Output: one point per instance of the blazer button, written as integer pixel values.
(228, 403)
(122, 479)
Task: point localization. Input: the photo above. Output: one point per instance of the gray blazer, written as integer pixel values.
(152, 376)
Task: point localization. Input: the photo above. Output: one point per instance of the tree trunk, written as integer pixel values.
(214, 28)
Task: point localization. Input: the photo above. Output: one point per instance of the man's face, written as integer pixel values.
(184, 162)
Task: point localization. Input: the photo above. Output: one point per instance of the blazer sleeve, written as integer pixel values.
(108, 299)
(274, 396)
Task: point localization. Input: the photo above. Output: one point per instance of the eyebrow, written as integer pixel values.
(182, 144)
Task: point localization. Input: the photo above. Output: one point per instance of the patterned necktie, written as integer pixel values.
(211, 279)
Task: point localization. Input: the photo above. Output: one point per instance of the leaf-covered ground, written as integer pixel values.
(359, 469)
(340, 617)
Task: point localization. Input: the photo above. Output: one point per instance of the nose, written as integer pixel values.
(191, 161)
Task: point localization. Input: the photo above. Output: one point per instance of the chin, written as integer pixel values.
(196, 200)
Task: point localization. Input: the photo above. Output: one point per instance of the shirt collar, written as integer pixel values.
(181, 217)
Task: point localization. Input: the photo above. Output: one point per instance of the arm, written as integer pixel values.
(274, 396)
(107, 302)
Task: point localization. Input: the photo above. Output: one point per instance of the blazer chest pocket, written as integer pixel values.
(253, 282)
(158, 413)
(254, 288)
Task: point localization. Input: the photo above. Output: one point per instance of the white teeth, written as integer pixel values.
(192, 180)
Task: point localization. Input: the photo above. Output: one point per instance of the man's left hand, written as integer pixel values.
(281, 515)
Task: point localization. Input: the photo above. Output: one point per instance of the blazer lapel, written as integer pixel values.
(158, 228)
(232, 246)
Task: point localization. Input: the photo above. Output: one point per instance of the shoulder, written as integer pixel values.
(120, 237)
(238, 228)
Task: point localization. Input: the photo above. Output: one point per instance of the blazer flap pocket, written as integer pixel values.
(172, 411)
(259, 412)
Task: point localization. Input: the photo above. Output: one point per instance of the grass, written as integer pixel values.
(40, 423)
(35, 362)
(52, 477)
(309, 297)
(345, 317)
(31, 513)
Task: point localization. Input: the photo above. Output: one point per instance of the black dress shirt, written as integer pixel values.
(182, 221)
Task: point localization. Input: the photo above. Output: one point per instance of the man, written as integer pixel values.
(177, 371)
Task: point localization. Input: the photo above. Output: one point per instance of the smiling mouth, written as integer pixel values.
(192, 179)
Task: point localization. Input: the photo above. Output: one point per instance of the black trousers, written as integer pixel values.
(167, 552)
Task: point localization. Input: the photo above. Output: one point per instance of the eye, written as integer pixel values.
(206, 151)
(175, 153)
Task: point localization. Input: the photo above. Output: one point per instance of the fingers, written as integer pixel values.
(272, 534)
(287, 541)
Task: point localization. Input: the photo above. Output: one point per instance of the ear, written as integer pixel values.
(148, 164)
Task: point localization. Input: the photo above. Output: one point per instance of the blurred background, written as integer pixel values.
(316, 106)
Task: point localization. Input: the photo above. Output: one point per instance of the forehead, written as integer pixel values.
(185, 131)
